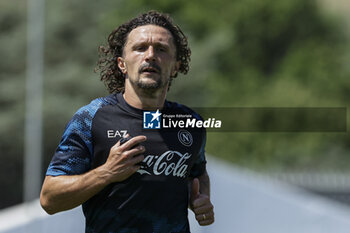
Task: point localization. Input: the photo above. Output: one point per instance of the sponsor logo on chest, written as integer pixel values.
(169, 163)
(116, 133)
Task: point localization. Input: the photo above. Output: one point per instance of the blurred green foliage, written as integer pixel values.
(251, 53)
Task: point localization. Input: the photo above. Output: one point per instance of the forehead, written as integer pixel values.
(150, 34)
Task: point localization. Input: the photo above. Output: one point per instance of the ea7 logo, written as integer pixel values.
(116, 133)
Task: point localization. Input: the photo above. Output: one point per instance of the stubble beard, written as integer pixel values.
(149, 86)
(153, 86)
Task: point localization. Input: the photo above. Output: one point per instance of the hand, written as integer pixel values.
(201, 205)
(122, 159)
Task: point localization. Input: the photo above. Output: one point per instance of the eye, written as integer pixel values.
(161, 49)
(140, 48)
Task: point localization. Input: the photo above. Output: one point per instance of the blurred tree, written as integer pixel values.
(12, 77)
(263, 54)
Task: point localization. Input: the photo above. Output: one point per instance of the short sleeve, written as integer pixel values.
(199, 165)
(74, 153)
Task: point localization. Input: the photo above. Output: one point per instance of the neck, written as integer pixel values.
(145, 99)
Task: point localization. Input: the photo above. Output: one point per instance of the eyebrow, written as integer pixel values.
(156, 44)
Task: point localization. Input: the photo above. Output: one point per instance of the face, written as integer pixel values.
(149, 57)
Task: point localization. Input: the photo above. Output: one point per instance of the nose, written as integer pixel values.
(150, 54)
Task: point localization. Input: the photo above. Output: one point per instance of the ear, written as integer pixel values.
(176, 69)
(122, 65)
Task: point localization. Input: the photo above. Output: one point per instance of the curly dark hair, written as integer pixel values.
(107, 64)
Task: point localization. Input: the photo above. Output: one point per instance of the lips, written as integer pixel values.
(149, 70)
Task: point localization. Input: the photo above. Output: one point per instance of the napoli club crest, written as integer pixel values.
(185, 137)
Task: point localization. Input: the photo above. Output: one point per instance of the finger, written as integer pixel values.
(136, 159)
(206, 222)
(201, 200)
(134, 152)
(116, 145)
(195, 188)
(127, 135)
(204, 216)
(124, 139)
(203, 209)
(133, 142)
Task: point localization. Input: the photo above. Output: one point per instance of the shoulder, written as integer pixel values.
(82, 119)
(89, 110)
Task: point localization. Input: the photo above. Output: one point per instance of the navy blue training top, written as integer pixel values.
(155, 198)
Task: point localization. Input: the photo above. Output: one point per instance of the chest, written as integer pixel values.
(169, 152)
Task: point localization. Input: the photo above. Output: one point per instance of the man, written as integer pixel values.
(146, 183)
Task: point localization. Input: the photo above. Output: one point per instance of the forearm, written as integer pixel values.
(204, 184)
(66, 192)
(200, 202)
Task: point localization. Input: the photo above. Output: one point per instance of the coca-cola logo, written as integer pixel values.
(166, 164)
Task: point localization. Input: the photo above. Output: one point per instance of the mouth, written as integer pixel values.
(149, 70)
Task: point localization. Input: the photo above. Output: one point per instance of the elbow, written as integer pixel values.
(46, 204)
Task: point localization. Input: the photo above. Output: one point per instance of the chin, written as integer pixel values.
(149, 85)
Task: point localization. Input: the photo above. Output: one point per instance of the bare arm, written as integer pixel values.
(203, 187)
(66, 192)
(204, 184)
(200, 202)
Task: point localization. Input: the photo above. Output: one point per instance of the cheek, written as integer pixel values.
(132, 60)
(131, 65)
(171, 67)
